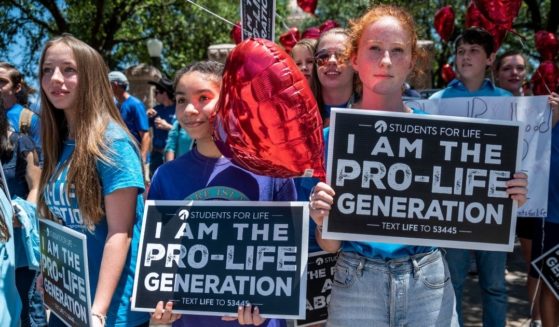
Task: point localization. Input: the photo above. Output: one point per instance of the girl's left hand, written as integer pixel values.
(553, 101)
(517, 187)
(247, 316)
(163, 313)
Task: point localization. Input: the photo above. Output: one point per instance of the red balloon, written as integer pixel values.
(308, 6)
(474, 17)
(311, 33)
(547, 45)
(500, 12)
(447, 73)
(236, 33)
(289, 38)
(267, 119)
(444, 22)
(328, 25)
(545, 78)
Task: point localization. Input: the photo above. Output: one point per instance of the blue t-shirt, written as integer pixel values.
(196, 177)
(160, 135)
(16, 166)
(178, 140)
(14, 171)
(124, 171)
(10, 303)
(553, 196)
(134, 114)
(377, 250)
(457, 89)
(13, 115)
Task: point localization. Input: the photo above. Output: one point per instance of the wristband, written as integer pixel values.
(101, 318)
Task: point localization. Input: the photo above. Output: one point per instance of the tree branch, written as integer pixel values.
(29, 15)
(98, 18)
(60, 21)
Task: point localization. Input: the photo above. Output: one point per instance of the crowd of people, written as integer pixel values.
(86, 160)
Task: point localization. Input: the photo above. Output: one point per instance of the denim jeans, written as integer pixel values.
(32, 313)
(491, 270)
(410, 291)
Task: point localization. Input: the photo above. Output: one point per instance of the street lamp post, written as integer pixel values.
(155, 46)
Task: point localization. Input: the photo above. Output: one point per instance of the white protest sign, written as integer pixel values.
(534, 112)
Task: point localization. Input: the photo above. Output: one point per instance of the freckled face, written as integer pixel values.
(60, 77)
(384, 57)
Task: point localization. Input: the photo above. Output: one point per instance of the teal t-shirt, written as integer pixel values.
(377, 250)
(124, 171)
(10, 303)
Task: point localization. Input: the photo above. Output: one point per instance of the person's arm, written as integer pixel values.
(320, 204)
(120, 209)
(145, 138)
(171, 144)
(32, 176)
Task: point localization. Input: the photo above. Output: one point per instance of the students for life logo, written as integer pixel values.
(381, 126)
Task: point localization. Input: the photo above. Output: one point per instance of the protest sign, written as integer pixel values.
(65, 273)
(258, 19)
(320, 272)
(547, 265)
(422, 179)
(209, 257)
(534, 112)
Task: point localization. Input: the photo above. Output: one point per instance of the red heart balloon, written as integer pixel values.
(500, 12)
(444, 22)
(311, 33)
(267, 119)
(236, 33)
(447, 73)
(308, 6)
(290, 38)
(474, 17)
(545, 78)
(547, 45)
(328, 25)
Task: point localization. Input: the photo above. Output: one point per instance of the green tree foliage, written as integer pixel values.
(534, 15)
(118, 29)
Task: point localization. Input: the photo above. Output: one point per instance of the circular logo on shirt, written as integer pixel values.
(381, 126)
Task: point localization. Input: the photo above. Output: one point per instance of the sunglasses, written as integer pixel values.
(323, 57)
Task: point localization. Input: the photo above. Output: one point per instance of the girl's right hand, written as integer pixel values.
(320, 202)
(163, 313)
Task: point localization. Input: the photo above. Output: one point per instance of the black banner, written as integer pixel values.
(212, 256)
(547, 266)
(65, 273)
(320, 272)
(422, 179)
(258, 18)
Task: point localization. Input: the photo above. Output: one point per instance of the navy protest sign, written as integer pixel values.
(258, 19)
(65, 273)
(547, 265)
(422, 179)
(320, 273)
(209, 257)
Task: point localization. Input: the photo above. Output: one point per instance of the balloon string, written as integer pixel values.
(286, 27)
(213, 14)
(525, 48)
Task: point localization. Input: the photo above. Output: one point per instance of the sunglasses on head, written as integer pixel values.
(322, 57)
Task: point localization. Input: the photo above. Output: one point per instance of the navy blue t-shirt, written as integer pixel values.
(160, 135)
(16, 166)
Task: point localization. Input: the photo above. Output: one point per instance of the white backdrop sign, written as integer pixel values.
(534, 112)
